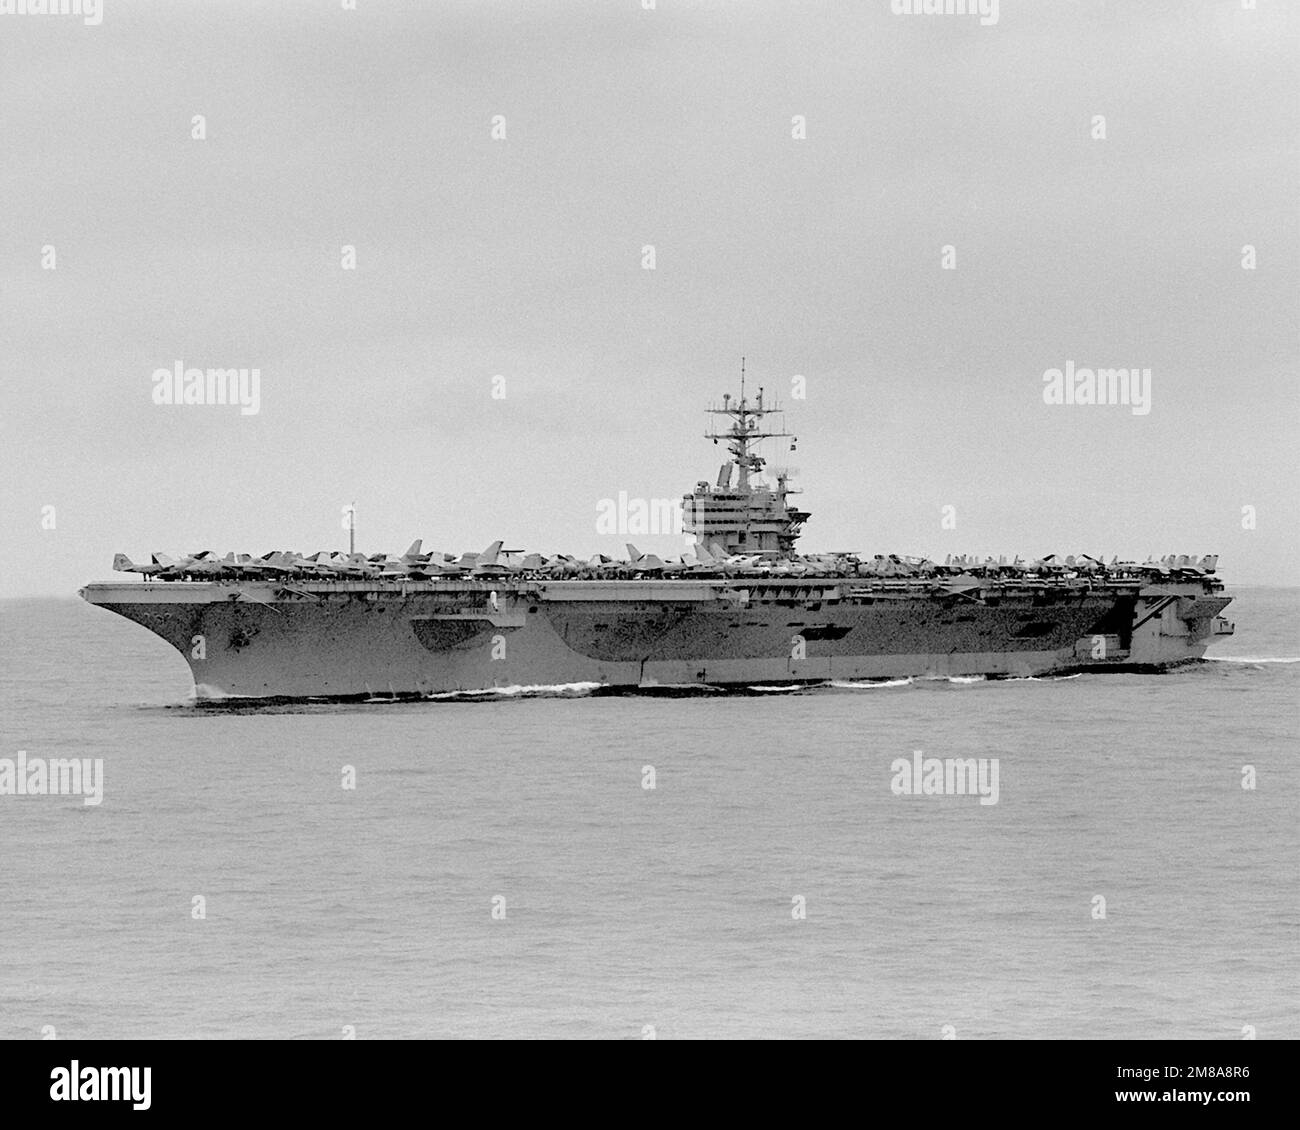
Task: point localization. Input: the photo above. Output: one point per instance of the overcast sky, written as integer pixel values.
(522, 257)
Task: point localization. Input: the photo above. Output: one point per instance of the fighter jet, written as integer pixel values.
(740, 563)
(485, 564)
(202, 564)
(123, 564)
(336, 566)
(563, 566)
(276, 563)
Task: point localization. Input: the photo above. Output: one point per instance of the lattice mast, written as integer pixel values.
(746, 429)
(746, 517)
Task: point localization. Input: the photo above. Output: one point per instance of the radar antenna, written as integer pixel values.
(746, 429)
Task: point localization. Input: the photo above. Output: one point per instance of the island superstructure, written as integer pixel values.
(742, 608)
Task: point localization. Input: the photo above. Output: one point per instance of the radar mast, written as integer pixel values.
(747, 428)
(749, 518)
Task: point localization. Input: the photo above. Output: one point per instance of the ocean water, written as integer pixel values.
(628, 909)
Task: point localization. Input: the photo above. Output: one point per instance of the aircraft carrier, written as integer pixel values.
(744, 609)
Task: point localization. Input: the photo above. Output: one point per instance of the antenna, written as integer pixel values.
(746, 517)
(352, 529)
(746, 429)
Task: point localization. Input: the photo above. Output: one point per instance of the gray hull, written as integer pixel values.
(341, 640)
